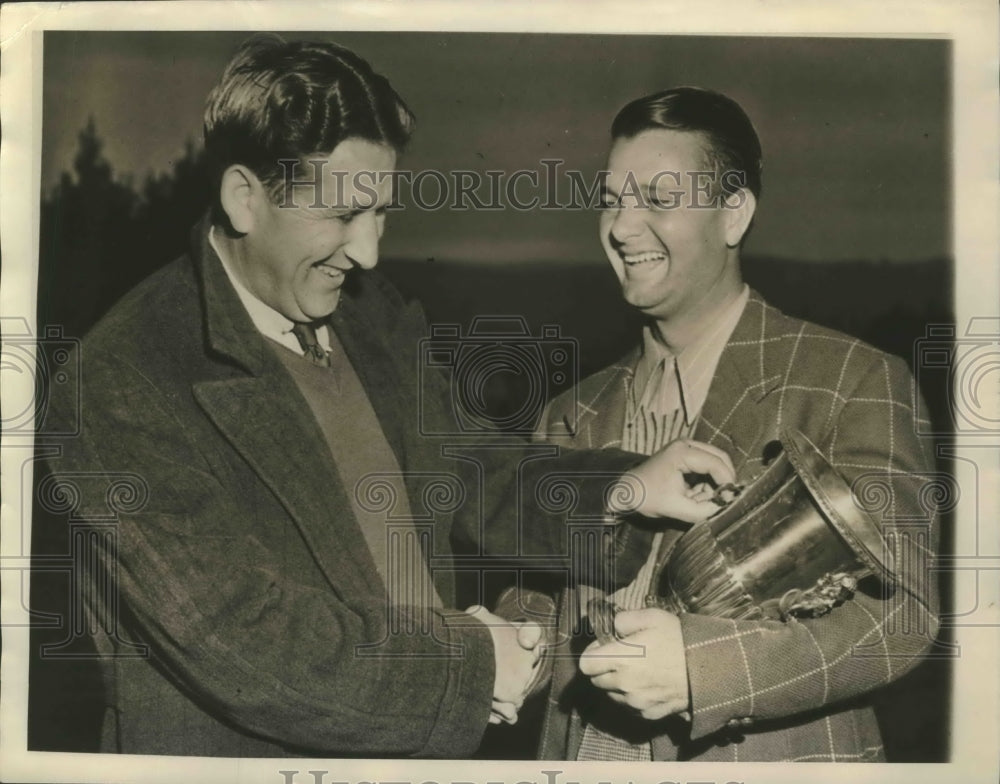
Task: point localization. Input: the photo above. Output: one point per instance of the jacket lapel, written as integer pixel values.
(732, 417)
(600, 407)
(260, 413)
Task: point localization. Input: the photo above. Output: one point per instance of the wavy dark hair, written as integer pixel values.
(290, 100)
(731, 143)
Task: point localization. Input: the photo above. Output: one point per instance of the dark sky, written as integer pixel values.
(856, 132)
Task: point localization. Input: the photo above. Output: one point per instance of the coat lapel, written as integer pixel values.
(732, 417)
(260, 413)
(600, 407)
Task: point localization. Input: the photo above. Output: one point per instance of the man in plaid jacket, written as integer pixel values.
(718, 365)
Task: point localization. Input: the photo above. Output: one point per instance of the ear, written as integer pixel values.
(237, 193)
(739, 208)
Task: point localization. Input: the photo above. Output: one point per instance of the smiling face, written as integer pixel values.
(295, 258)
(676, 260)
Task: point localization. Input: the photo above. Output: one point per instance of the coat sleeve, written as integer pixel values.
(627, 543)
(245, 635)
(742, 672)
(527, 502)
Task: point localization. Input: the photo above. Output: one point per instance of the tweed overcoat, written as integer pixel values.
(771, 690)
(235, 603)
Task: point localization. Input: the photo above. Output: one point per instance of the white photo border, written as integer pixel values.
(971, 26)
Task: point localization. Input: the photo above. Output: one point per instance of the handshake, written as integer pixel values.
(682, 482)
(518, 656)
(638, 659)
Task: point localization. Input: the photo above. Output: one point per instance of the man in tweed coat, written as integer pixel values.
(719, 365)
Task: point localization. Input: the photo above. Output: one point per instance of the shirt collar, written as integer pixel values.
(662, 384)
(269, 322)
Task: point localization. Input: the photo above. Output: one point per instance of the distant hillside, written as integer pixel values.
(886, 304)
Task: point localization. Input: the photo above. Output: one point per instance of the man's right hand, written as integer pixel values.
(516, 654)
(660, 486)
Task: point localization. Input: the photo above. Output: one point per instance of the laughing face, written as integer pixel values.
(675, 250)
(295, 258)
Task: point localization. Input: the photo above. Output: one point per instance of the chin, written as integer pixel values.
(642, 301)
(332, 306)
(652, 308)
(321, 308)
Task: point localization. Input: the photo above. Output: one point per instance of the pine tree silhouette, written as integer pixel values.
(99, 237)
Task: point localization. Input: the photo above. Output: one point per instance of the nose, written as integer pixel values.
(626, 224)
(363, 235)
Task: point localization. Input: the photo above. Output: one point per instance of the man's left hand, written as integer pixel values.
(659, 487)
(647, 668)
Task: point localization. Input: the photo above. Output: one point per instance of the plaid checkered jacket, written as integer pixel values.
(770, 690)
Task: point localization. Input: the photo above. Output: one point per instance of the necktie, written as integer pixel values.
(306, 335)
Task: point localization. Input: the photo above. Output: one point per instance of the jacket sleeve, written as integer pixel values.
(527, 502)
(228, 620)
(742, 672)
(628, 540)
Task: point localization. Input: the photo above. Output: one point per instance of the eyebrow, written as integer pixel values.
(344, 211)
(356, 208)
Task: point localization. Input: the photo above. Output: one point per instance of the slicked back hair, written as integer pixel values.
(729, 138)
(293, 100)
